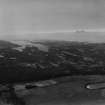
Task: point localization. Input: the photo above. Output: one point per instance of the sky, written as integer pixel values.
(53, 19)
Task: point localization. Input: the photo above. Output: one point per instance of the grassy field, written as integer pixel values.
(69, 91)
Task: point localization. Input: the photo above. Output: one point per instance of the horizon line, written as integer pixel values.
(57, 31)
(70, 31)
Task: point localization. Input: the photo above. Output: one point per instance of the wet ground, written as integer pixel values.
(69, 91)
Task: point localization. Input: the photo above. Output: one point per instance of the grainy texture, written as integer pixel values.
(69, 93)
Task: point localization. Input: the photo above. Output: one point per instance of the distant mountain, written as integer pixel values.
(7, 44)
